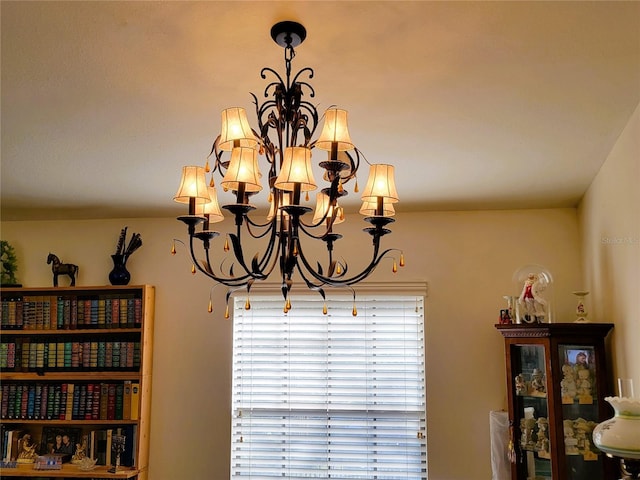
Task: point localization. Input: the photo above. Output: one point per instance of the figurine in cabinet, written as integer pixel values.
(570, 441)
(521, 385)
(568, 385)
(542, 444)
(584, 386)
(527, 426)
(537, 383)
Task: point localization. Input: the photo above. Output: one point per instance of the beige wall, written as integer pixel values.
(610, 230)
(467, 258)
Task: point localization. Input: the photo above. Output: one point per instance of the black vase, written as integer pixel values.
(119, 275)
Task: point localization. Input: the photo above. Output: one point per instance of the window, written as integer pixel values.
(329, 396)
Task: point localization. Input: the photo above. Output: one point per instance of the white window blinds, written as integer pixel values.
(333, 397)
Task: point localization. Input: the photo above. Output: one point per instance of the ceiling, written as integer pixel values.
(479, 105)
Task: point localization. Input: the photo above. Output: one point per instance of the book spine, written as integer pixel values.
(44, 401)
(135, 400)
(126, 401)
(86, 355)
(51, 396)
(57, 390)
(4, 402)
(73, 321)
(119, 401)
(68, 412)
(76, 355)
(97, 391)
(67, 313)
(31, 401)
(101, 354)
(101, 313)
(75, 412)
(68, 347)
(63, 401)
(88, 411)
(104, 398)
(111, 402)
(38, 402)
(93, 355)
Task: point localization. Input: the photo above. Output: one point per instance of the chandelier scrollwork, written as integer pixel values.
(287, 123)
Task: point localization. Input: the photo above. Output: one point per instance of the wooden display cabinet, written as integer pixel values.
(77, 361)
(557, 379)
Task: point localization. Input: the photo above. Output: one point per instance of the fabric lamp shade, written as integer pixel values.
(323, 207)
(369, 209)
(235, 130)
(335, 131)
(296, 170)
(283, 199)
(211, 208)
(381, 183)
(193, 185)
(243, 169)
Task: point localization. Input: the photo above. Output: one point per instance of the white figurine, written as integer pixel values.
(537, 383)
(568, 385)
(533, 304)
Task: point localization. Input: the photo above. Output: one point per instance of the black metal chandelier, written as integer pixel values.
(286, 125)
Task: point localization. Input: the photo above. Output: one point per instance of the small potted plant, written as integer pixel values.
(9, 265)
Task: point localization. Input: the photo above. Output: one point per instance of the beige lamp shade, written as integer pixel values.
(322, 207)
(335, 131)
(211, 208)
(235, 130)
(243, 168)
(296, 170)
(368, 209)
(284, 198)
(381, 183)
(193, 185)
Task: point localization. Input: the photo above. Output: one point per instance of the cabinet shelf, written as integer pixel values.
(67, 354)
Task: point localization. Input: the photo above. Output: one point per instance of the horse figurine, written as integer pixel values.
(59, 268)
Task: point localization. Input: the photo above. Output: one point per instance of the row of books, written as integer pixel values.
(26, 354)
(69, 401)
(67, 312)
(72, 443)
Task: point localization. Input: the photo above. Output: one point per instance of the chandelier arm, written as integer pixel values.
(263, 75)
(348, 281)
(251, 223)
(259, 270)
(306, 229)
(300, 72)
(208, 271)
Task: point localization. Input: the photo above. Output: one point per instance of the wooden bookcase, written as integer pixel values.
(96, 342)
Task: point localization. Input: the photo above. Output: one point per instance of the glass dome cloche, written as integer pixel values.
(534, 301)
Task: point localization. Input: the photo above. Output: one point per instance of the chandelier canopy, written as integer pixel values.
(286, 125)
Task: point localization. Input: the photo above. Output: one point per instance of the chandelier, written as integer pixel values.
(286, 124)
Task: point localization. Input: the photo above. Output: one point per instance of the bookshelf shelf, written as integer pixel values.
(77, 361)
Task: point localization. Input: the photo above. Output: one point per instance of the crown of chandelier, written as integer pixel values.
(286, 126)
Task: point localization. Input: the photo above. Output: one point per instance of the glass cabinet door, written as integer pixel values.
(578, 387)
(532, 411)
